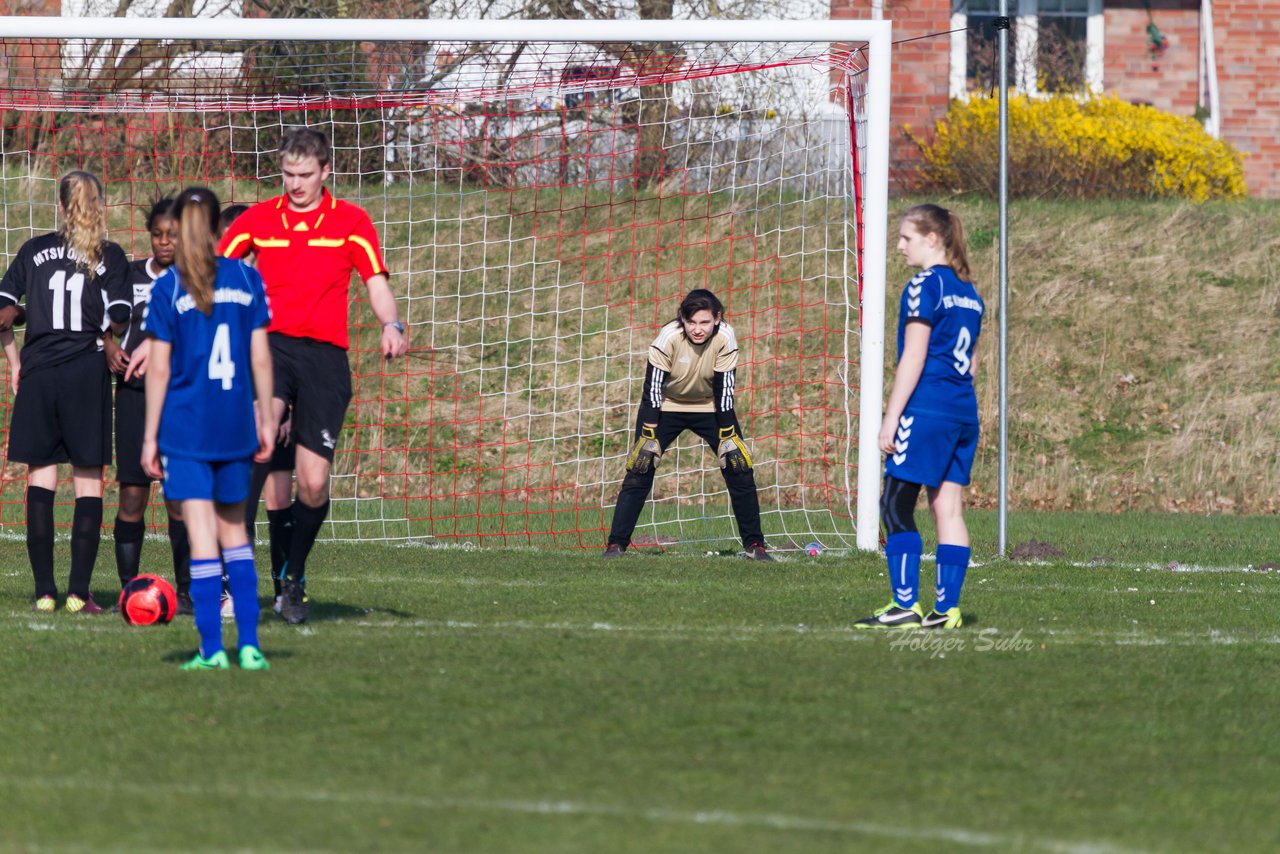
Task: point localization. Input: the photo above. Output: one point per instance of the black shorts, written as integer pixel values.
(315, 379)
(131, 422)
(284, 457)
(63, 414)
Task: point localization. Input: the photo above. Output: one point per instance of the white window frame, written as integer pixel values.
(1026, 48)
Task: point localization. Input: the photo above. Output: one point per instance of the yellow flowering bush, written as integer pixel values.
(1073, 147)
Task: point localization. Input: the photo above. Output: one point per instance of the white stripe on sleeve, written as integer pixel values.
(726, 394)
(657, 379)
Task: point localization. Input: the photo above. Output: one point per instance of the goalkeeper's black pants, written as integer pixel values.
(636, 487)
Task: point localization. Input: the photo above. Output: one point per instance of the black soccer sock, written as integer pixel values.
(181, 548)
(745, 501)
(280, 525)
(129, 537)
(258, 479)
(306, 526)
(86, 534)
(40, 539)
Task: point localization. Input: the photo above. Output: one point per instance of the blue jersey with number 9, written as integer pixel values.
(208, 410)
(953, 310)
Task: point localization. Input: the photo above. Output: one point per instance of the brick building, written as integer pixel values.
(1109, 45)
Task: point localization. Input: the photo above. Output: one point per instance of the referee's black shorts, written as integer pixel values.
(285, 456)
(63, 414)
(315, 379)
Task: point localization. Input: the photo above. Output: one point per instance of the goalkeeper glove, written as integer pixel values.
(644, 454)
(734, 456)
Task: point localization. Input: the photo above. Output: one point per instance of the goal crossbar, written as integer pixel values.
(875, 34)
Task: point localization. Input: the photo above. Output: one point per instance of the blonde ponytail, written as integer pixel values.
(84, 224)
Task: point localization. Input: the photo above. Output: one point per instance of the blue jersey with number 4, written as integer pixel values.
(208, 410)
(953, 310)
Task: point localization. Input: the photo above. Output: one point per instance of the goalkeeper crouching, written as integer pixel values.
(689, 386)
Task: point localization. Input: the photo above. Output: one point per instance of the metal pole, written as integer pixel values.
(1002, 42)
(875, 217)
(1213, 124)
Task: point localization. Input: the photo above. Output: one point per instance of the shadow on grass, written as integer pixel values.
(182, 656)
(329, 611)
(320, 611)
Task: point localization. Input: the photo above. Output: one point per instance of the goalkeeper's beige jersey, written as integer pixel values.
(689, 367)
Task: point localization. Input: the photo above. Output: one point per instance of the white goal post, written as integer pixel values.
(857, 272)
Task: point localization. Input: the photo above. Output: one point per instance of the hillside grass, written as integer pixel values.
(1143, 354)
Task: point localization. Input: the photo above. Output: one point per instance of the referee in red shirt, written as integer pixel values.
(307, 244)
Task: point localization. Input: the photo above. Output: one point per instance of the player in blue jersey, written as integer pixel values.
(70, 283)
(930, 427)
(207, 319)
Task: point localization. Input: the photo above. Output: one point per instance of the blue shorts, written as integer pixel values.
(932, 450)
(226, 482)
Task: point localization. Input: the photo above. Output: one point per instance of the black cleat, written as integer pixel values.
(296, 605)
(757, 551)
(893, 616)
(186, 608)
(614, 550)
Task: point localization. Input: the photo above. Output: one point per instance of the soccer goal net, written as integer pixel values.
(546, 192)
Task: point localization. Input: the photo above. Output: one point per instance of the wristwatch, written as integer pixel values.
(397, 324)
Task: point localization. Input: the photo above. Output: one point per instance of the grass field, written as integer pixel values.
(1118, 697)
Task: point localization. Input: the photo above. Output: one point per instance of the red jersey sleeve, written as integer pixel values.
(366, 254)
(236, 241)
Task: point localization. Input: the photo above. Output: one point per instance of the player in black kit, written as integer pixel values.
(132, 349)
(72, 280)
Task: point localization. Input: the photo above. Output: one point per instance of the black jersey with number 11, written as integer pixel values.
(66, 310)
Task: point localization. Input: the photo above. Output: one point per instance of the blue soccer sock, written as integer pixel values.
(206, 599)
(952, 561)
(242, 578)
(902, 551)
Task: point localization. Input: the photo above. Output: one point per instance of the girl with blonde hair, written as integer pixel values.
(72, 281)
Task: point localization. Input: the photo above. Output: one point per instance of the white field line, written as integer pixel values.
(1172, 566)
(996, 584)
(832, 555)
(1021, 639)
(973, 583)
(1046, 634)
(835, 558)
(571, 809)
(651, 582)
